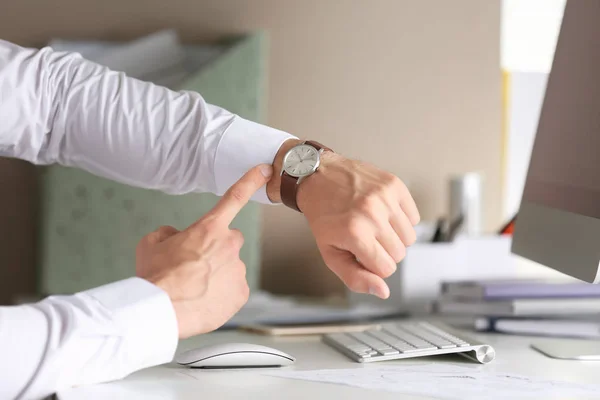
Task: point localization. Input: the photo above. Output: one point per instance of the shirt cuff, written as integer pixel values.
(144, 315)
(244, 145)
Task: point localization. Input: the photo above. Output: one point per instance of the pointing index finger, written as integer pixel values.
(240, 193)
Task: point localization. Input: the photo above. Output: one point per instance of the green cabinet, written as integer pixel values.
(90, 226)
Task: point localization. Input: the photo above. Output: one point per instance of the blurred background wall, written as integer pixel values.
(412, 86)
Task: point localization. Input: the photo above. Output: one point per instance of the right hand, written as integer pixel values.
(200, 267)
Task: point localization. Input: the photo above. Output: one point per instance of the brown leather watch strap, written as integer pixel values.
(289, 191)
(289, 184)
(318, 145)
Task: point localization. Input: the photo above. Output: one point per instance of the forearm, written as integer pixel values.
(63, 109)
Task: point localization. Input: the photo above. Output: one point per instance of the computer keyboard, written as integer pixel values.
(407, 340)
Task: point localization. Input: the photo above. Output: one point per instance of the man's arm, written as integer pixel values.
(59, 108)
(193, 282)
(99, 335)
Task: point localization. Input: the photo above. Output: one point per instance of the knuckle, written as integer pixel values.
(149, 239)
(188, 236)
(141, 246)
(240, 269)
(355, 228)
(243, 269)
(166, 230)
(209, 225)
(373, 206)
(237, 194)
(237, 238)
(368, 203)
(189, 240)
(399, 184)
(392, 181)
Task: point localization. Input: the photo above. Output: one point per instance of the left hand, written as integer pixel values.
(362, 219)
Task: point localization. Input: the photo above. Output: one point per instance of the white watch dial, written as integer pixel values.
(301, 160)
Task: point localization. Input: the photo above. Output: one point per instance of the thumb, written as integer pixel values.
(240, 193)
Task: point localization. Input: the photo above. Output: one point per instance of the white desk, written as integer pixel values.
(170, 381)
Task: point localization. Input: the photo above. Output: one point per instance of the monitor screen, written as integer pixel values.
(564, 171)
(558, 224)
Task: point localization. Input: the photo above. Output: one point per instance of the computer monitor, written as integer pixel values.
(558, 224)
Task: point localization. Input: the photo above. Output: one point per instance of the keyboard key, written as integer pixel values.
(387, 338)
(419, 350)
(446, 335)
(393, 342)
(370, 341)
(368, 351)
(411, 339)
(430, 337)
(360, 347)
(405, 348)
(389, 352)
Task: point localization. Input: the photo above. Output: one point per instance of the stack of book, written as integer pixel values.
(561, 309)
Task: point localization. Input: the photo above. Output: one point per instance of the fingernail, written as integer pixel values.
(266, 170)
(376, 292)
(379, 292)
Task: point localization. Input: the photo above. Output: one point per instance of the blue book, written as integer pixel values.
(518, 289)
(520, 307)
(565, 327)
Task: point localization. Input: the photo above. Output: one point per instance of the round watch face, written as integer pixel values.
(301, 160)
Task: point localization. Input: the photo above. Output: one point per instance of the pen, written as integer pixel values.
(509, 227)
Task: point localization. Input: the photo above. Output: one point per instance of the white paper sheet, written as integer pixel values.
(446, 381)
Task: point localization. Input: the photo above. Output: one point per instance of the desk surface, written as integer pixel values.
(167, 382)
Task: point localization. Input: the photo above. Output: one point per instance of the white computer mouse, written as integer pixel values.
(234, 355)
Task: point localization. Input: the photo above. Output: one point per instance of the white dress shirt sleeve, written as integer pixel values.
(94, 336)
(59, 108)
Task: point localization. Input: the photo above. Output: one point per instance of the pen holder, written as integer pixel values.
(417, 281)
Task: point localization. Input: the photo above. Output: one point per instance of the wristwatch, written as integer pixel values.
(299, 162)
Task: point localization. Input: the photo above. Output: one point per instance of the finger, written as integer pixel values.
(239, 193)
(372, 256)
(161, 234)
(408, 204)
(353, 274)
(403, 227)
(391, 243)
(237, 238)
